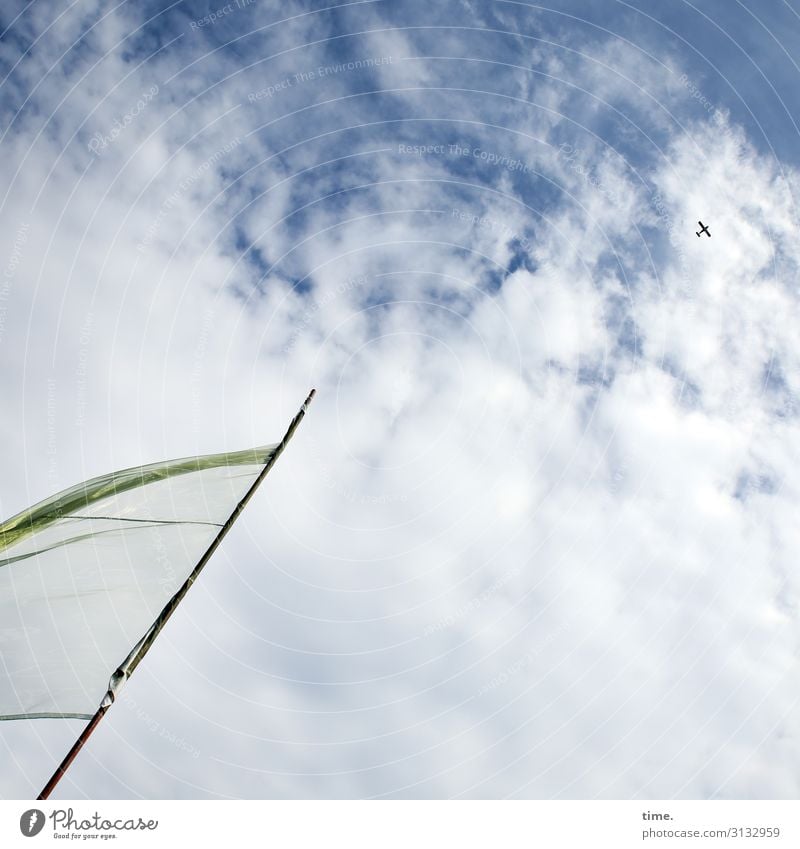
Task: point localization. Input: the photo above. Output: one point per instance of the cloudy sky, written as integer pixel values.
(538, 536)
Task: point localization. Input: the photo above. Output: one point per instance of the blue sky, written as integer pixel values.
(536, 537)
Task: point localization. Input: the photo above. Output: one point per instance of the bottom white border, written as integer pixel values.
(404, 824)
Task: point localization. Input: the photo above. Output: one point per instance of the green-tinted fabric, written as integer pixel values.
(97, 489)
(85, 573)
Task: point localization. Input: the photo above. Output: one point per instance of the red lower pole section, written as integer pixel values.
(57, 775)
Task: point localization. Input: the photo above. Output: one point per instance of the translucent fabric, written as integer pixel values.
(86, 574)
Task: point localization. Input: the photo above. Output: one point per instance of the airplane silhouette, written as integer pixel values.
(703, 229)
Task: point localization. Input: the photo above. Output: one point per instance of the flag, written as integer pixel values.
(89, 576)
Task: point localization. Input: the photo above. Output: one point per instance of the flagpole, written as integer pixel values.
(140, 649)
(70, 757)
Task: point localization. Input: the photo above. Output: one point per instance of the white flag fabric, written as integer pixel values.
(86, 574)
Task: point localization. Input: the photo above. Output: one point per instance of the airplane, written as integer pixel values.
(703, 229)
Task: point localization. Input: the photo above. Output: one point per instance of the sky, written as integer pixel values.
(536, 537)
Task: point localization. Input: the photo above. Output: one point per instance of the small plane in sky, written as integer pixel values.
(703, 229)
